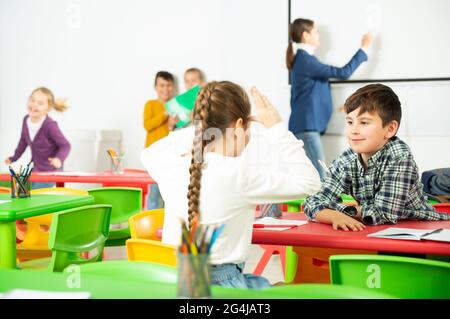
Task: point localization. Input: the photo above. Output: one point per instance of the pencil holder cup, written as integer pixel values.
(20, 188)
(117, 164)
(193, 276)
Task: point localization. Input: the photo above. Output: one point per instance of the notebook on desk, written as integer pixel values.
(270, 223)
(413, 234)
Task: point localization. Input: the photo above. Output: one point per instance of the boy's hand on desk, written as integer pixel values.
(267, 115)
(7, 161)
(55, 162)
(339, 220)
(346, 223)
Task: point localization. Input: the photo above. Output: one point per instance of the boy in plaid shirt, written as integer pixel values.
(378, 169)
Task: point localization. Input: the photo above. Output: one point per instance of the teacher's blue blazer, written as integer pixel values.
(311, 105)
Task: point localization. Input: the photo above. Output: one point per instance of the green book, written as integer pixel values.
(182, 105)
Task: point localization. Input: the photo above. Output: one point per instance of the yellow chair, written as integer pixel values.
(59, 191)
(146, 224)
(35, 242)
(4, 190)
(151, 251)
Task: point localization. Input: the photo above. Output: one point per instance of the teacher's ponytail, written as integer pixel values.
(296, 30)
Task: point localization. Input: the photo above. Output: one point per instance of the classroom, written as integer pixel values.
(226, 149)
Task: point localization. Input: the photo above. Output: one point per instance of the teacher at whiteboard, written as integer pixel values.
(311, 105)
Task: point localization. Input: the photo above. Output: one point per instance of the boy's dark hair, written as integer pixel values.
(164, 75)
(377, 98)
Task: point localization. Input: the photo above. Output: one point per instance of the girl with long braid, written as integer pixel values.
(214, 162)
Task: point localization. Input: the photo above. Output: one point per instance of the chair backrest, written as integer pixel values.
(145, 225)
(323, 291)
(131, 271)
(402, 277)
(78, 230)
(5, 189)
(125, 201)
(442, 207)
(59, 191)
(152, 251)
(299, 204)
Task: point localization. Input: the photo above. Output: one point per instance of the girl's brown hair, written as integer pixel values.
(218, 105)
(296, 30)
(59, 105)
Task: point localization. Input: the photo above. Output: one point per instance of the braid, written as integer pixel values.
(201, 115)
(217, 106)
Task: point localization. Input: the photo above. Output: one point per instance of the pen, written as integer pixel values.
(433, 232)
(215, 235)
(17, 179)
(270, 226)
(203, 244)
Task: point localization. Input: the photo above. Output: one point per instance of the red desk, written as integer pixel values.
(130, 178)
(322, 235)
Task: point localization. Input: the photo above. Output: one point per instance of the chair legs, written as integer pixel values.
(270, 250)
(86, 255)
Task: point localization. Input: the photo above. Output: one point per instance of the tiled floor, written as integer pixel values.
(272, 272)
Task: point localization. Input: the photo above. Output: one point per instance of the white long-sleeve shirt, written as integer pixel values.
(273, 168)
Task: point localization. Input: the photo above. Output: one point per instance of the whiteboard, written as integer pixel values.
(412, 37)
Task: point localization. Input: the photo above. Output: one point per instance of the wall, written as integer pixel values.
(410, 41)
(103, 56)
(410, 36)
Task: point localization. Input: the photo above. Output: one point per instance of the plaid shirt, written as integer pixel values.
(389, 190)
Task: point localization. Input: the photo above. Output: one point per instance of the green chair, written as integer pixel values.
(403, 277)
(324, 291)
(291, 263)
(125, 202)
(73, 232)
(130, 271)
(295, 206)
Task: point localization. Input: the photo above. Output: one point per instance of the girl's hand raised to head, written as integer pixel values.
(267, 115)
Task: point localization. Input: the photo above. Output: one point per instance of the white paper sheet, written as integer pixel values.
(67, 174)
(269, 221)
(273, 228)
